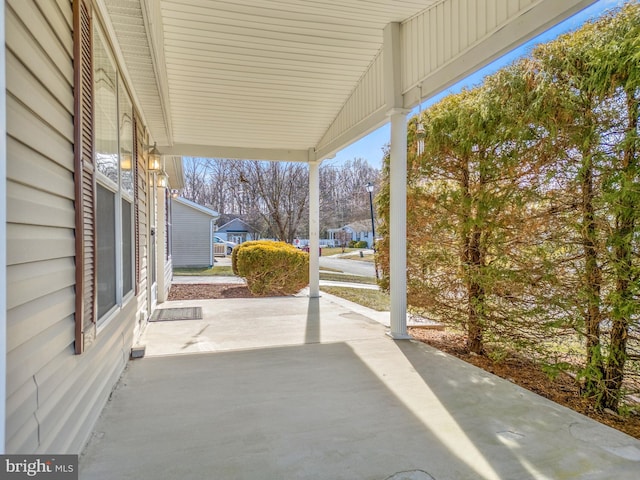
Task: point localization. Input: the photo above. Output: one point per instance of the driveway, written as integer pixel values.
(298, 388)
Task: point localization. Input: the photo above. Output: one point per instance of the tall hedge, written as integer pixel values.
(523, 209)
(271, 268)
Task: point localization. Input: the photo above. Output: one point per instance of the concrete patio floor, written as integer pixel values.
(299, 388)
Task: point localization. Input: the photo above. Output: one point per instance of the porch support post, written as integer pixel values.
(314, 228)
(392, 66)
(161, 246)
(398, 225)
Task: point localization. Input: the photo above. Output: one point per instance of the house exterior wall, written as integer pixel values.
(191, 236)
(235, 231)
(355, 235)
(53, 396)
(3, 231)
(143, 304)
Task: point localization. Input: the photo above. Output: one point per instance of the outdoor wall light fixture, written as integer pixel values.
(154, 159)
(163, 180)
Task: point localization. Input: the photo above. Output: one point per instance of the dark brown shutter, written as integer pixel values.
(84, 173)
(136, 201)
(140, 175)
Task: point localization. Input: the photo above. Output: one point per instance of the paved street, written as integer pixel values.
(354, 267)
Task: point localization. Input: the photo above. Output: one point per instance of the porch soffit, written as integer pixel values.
(126, 19)
(273, 79)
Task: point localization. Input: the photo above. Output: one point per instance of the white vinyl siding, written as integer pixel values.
(40, 236)
(53, 395)
(191, 236)
(366, 99)
(441, 33)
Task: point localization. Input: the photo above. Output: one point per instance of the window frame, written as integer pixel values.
(120, 194)
(88, 29)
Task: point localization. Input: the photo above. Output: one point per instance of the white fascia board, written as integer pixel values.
(353, 134)
(530, 23)
(196, 206)
(105, 20)
(240, 153)
(152, 18)
(173, 168)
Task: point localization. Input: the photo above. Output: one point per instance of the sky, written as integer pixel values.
(370, 147)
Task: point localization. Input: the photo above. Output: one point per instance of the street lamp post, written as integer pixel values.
(373, 225)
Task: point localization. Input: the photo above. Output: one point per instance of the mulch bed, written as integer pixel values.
(208, 291)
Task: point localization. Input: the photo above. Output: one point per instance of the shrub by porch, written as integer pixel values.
(271, 268)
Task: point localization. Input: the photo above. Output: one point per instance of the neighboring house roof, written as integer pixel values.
(197, 206)
(236, 225)
(359, 226)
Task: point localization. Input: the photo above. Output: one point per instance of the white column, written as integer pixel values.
(398, 225)
(314, 229)
(161, 246)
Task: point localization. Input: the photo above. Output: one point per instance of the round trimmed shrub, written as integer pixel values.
(271, 268)
(361, 244)
(234, 252)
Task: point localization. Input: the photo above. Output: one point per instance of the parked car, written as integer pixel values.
(229, 244)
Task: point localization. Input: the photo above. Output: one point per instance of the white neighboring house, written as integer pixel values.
(192, 233)
(360, 230)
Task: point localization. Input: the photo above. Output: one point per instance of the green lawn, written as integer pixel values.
(366, 258)
(326, 251)
(347, 278)
(374, 299)
(328, 269)
(225, 271)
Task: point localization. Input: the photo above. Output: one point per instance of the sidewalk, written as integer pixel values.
(298, 388)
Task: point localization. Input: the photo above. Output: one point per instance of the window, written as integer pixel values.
(127, 246)
(113, 129)
(106, 182)
(106, 110)
(125, 115)
(106, 237)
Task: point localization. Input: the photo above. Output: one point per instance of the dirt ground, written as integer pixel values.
(527, 374)
(208, 291)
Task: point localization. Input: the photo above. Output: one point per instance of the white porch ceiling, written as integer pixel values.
(300, 79)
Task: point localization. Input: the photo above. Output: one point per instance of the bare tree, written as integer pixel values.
(343, 197)
(282, 194)
(273, 196)
(195, 180)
